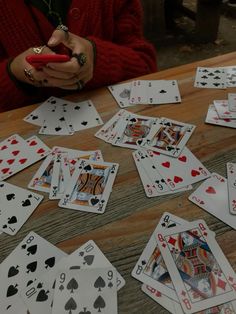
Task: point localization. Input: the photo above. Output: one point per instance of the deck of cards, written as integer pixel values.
(58, 116)
(81, 180)
(217, 195)
(40, 278)
(220, 77)
(131, 130)
(184, 269)
(17, 154)
(152, 92)
(223, 112)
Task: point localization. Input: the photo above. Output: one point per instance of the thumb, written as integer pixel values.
(59, 37)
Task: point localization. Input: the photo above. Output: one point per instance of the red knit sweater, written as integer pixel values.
(114, 25)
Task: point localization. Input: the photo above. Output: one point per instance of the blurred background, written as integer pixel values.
(184, 31)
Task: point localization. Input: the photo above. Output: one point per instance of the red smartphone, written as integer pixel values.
(40, 60)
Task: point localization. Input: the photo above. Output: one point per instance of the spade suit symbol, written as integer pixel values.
(12, 220)
(31, 267)
(32, 249)
(72, 285)
(70, 305)
(50, 262)
(87, 168)
(10, 196)
(12, 290)
(13, 271)
(26, 203)
(99, 283)
(42, 296)
(99, 303)
(88, 259)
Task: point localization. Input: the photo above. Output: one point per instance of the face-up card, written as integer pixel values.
(182, 171)
(163, 92)
(174, 307)
(212, 196)
(222, 108)
(132, 129)
(17, 205)
(39, 295)
(138, 93)
(121, 93)
(86, 291)
(90, 186)
(83, 115)
(16, 154)
(232, 102)
(60, 176)
(153, 183)
(41, 181)
(150, 268)
(168, 137)
(213, 118)
(231, 76)
(201, 274)
(107, 130)
(210, 78)
(231, 175)
(73, 153)
(32, 257)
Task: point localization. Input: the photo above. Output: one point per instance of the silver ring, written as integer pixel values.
(29, 75)
(80, 57)
(38, 50)
(63, 28)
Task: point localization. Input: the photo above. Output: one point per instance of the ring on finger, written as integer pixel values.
(80, 57)
(80, 84)
(63, 28)
(38, 50)
(29, 75)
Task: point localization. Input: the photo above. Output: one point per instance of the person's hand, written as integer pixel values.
(79, 70)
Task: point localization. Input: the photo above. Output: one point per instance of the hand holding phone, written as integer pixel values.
(40, 60)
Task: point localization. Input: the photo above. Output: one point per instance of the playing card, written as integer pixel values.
(76, 154)
(57, 122)
(105, 132)
(232, 102)
(231, 76)
(133, 128)
(32, 257)
(121, 93)
(213, 118)
(210, 78)
(86, 291)
(201, 274)
(83, 115)
(16, 205)
(138, 93)
(150, 268)
(212, 196)
(167, 136)
(41, 181)
(231, 175)
(90, 186)
(174, 307)
(38, 296)
(222, 108)
(181, 171)
(162, 92)
(60, 176)
(16, 154)
(153, 183)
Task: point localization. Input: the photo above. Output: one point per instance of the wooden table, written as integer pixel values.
(130, 218)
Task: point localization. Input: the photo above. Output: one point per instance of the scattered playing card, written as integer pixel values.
(121, 93)
(201, 274)
(231, 175)
(213, 118)
(222, 108)
(212, 196)
(17, 205)
(210, 78)
(232, 102)
(86, 291)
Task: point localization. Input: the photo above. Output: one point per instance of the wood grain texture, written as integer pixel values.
(130, 218)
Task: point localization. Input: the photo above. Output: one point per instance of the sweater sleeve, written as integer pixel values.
(128, 54)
